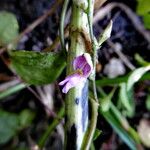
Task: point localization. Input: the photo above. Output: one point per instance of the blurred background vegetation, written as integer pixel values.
(31, 103)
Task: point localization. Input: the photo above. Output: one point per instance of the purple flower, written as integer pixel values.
(83, 67)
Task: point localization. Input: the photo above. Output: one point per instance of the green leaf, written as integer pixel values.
(8, 126)
(105, 34)
(37, 68)
(115, 81)
(135, 76)
(11, 123)
(8, 28)
(106, 101)
(148, 102)
(97, 134)
(111, 119)
(25, 118)
(126, 99)
(12, 90)
(143, 7)
(140, 60)
(146, 19)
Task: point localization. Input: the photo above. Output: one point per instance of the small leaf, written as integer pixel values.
(135, 76)
(127, 100)
(97, 134)
(37, 68)
(106, 34)
(140, 60)
(8, 28)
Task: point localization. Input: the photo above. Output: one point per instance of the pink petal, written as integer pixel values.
(79, 62)
(86, 70)
(71, 81)
(64, 81)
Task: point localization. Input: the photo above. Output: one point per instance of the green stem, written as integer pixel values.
(94, 102)
(90, 22)
(92, 126)
(51, 128)
(118, 80)
(62, 19)
(12, 90)
(76, 103)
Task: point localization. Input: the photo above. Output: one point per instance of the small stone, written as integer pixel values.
(114, 68)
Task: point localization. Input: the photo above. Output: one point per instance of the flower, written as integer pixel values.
(83, 67)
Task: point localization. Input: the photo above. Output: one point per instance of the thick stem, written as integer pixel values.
(77, 98)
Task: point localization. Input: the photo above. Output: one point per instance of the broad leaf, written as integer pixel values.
(8, 28)
(8, 126)
(37, 68)
(11, 123)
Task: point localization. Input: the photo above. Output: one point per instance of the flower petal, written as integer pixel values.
(83, 62)
(79, 62)
(83, 66)
(64, 81)
(88, 60)
(72, 81)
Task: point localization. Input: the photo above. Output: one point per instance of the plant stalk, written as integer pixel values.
(76, 103)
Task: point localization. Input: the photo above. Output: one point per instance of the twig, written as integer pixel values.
(121, 55)
(46, 94)
(132, 16)
(98, 4)
(2, 50)
(56, 42)
(5, 77)
(39, 98)
(9, 84)
(12, 90)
